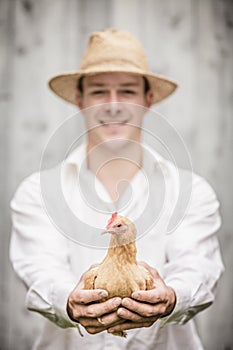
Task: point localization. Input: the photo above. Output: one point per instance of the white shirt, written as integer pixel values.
(50, 262)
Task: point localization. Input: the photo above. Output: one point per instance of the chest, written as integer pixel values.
(150, 248)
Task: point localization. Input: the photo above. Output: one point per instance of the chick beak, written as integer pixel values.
(115, 230)
(107, 231)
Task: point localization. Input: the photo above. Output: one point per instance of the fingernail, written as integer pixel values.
(117, 302)
(126, 303)
(103, 294)
(135, 295)
(121, 312)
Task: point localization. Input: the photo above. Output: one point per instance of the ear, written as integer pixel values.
(149, 98)
(79, 99)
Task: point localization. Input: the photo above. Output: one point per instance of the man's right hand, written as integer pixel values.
(91, 309)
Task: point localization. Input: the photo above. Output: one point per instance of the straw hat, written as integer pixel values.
(112, 50)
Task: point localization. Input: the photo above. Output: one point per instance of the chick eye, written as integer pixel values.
(119, 225)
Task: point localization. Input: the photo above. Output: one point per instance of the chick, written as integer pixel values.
(119, 273)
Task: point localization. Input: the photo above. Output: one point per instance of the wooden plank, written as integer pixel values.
(214, 137)
(6, 45)
(189, 40)
(46, 42)
(35, 114)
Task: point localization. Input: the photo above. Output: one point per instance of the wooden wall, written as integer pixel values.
(189, 40)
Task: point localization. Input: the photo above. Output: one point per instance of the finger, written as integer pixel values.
(129, 325)
(95, 330)
(132, 316)
(84, 296)
(93, 266)
(111, 318)
(144, 309)
(106, 320)
(152, 296)
(99, 309)
(152, 270)
(83, 277)
(158, 281)
(90, 268)
(89, 322)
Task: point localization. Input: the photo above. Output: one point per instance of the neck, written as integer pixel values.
(123, 254)
(116, 163)
(115, 150)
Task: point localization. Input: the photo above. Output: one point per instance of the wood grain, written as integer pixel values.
(189, 40)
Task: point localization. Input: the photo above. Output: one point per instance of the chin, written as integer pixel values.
(115, 144)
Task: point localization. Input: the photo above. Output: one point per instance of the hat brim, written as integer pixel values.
(65, 85)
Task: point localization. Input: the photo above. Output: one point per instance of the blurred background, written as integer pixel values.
(188, 40)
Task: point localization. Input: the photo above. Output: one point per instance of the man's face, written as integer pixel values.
(115, 114)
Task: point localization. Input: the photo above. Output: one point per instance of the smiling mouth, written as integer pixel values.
(112, 123)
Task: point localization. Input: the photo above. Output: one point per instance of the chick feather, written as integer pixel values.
(119, 273)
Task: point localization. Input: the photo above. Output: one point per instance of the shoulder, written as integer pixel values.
(28, 187)
(186, 180)
(29, 190)
(203, 193)
(192, 198)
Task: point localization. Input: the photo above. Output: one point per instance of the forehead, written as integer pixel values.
(113, 79)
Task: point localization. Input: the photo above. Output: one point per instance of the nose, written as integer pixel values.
(112, 96)
(113, 107)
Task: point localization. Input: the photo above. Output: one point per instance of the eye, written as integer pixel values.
(97, 92)
(129, 92)
(119, 225)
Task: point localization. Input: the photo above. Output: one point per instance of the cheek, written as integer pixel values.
(137, 116)
(90, 101)
(90, 123)
(91, 127)
(141, 99)
(136, 127)
(85, 101)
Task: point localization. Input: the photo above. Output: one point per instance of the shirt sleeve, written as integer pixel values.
(39, 255)
(194, 262)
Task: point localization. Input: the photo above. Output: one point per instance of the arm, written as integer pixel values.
(194, 261)
(40, 257)
(39, 254)
(191, 272)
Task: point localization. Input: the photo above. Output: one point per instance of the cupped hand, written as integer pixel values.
(91, 309)
(146, 307)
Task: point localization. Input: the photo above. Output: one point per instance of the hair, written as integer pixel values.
(80, 84)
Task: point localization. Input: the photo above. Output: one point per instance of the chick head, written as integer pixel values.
(122, 229)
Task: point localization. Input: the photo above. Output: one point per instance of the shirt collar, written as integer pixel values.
(78, 155)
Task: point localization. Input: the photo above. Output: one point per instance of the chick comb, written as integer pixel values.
(111, 220)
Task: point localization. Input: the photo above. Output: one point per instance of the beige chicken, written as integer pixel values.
(119, 273)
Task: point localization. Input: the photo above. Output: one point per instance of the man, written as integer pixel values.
(114, 88)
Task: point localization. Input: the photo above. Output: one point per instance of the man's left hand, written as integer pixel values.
(145, 307)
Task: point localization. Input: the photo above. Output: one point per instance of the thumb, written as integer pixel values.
(158, 281)
(152, 270)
